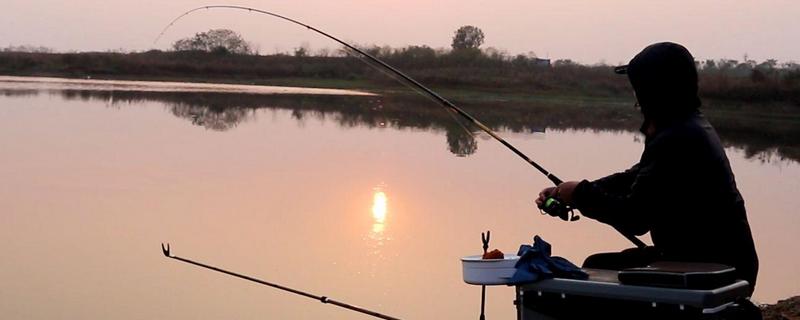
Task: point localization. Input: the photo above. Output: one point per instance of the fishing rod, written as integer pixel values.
(323, 299)
(395, 71)
(551, 206)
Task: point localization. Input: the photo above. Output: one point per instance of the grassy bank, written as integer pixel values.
(467, 75)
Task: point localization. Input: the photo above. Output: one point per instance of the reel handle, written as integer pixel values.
(556, 208)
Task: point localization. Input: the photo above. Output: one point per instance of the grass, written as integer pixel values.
(473, 76)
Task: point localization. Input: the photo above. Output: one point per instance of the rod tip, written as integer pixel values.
(165, 249)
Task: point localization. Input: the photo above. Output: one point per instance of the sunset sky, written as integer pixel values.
(586, 31)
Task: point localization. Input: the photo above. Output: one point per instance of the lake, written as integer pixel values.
(369, 200)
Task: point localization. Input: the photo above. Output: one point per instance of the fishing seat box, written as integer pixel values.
(660, 291)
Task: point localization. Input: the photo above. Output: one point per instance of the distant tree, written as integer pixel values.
(768, 65)
(301, 51)
(422, 56)
(216, 40)
(423, 53)
(565, 63)
(727, 64)
(467, 37)
(304, 50)
(709, 65)
(791, 77)
(529, 59)
(28, 48)
(496, 54)
(790, 65)
(520, 60)
(757, 76)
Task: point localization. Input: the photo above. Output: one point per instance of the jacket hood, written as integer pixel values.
(664, 77)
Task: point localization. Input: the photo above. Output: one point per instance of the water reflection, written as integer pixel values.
(212, 117)
(19, 92)
(121, 172)
(460, 141)
(379, 207)
(378, 238)
(377, 230)
(764, 136)
(377, 235)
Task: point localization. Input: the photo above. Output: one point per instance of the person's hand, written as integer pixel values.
(543, 195)
(563, 193)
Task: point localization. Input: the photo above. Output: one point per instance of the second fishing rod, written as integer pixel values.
(552, 206)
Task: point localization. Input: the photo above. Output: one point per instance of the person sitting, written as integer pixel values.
(682, 190)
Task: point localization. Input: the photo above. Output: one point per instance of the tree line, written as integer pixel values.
(224, 56)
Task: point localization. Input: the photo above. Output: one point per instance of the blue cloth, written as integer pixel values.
(535, 263)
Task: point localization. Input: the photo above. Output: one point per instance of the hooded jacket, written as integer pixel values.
(682, 190)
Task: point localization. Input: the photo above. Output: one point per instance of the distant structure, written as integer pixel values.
(539, 62)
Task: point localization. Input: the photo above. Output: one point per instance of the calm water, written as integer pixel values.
(290, 189)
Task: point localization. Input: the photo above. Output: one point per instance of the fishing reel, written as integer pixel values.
(556, 208)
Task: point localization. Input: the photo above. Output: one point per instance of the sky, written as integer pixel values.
(585, 31)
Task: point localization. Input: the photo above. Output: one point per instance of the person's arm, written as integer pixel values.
(619, 182)
(608, 200)
(631, 209)
(622, 209)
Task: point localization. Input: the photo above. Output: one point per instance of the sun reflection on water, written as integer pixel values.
(379, 207)
(378, 228)
(377, 238)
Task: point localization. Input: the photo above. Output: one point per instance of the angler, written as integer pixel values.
(682, 190)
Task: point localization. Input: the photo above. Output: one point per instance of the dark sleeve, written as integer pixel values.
(619, 182)
(622, 199)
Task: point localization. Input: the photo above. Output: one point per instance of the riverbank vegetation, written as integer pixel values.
(471, 72)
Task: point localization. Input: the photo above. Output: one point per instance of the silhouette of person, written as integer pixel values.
(682, 190)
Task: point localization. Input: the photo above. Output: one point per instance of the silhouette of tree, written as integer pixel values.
(300, 52)
(28, 48)
(460, 142)
(217, 118)
(216, 40)
(710, 64)
(467, 37)
(418, 55)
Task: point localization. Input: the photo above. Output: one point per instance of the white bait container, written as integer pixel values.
(488, 271)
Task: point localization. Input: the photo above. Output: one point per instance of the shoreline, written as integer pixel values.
(461, 95)
(476, 78)
(180, 86)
